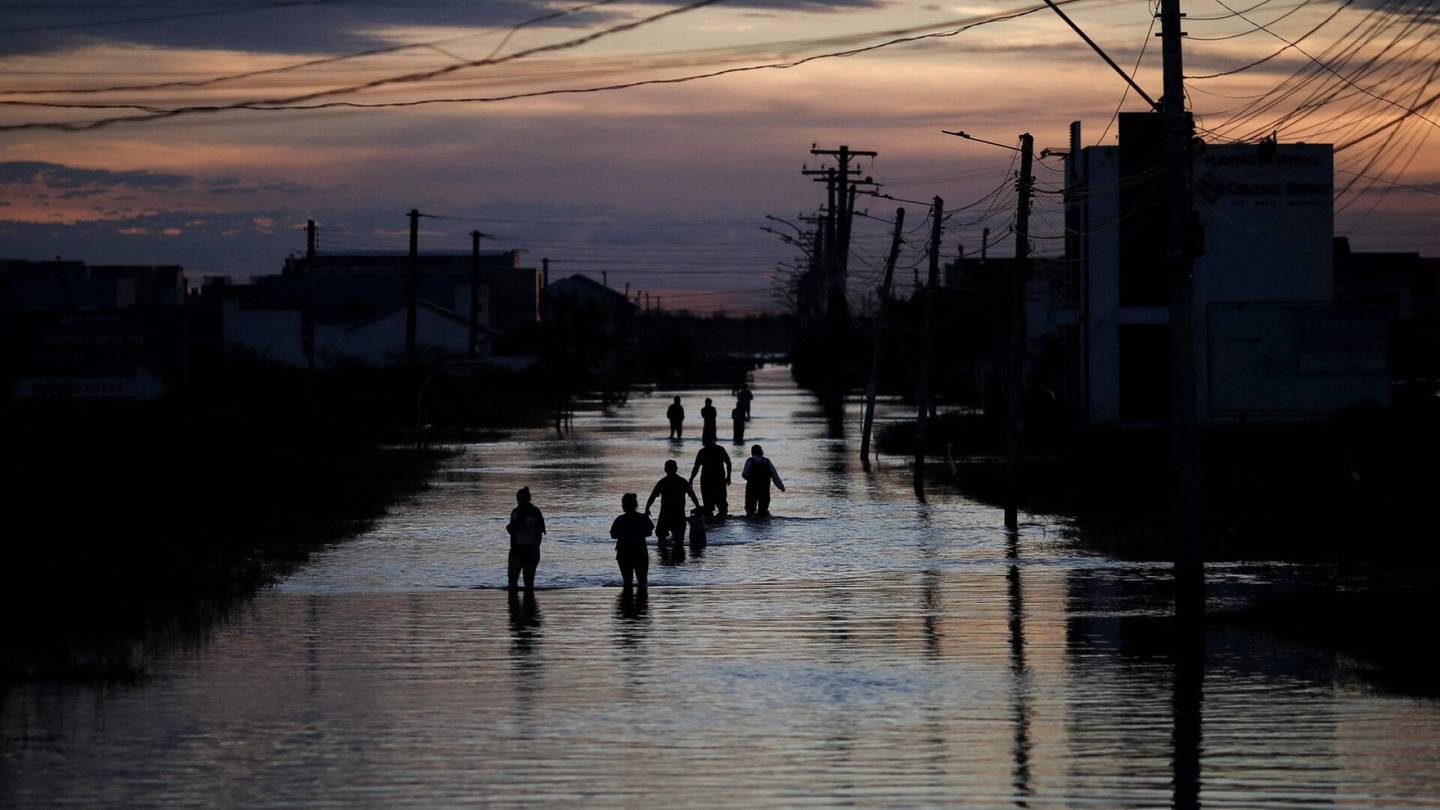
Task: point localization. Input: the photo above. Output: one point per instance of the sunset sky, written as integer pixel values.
(665, 186)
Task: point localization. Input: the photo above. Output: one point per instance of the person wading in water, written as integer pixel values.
(629, 531)
(758, 473)
(671, 490)
(713, 465)
(708, 415)
(676, 414)
(526, 528)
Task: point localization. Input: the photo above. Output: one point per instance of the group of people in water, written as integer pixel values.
(630, 530)
(739, 415)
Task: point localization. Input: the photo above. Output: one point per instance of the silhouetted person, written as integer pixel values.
(708, 414)
(758, 473)
(713, 465)
(671, 490)
(629, 531)
(676, 414)
(743, 398)
(526, 528)
(737, 421)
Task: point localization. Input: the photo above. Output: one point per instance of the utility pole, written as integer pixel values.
(1016, 377)
(875, 356)
(831, 243)
(922, 395)
(412, 288)
(475, 237)
(1177, 128)
(840, 198)
(545, 273)
(310, 239)
(984, 244)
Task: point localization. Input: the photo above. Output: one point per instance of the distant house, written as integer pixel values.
(439, 333)
(68, 329)
(74, 285)
(285, 336)
(579, 296)
(1405, 284)
(361, 286)
(324, 310)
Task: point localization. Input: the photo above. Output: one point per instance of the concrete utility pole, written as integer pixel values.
(1177, 128)
(1016, 378)
(922, 394)
(874, 384)
(412, 288)
(310, 239)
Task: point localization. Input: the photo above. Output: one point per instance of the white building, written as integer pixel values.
(439, 333)
(1269, 341)
(279, 335)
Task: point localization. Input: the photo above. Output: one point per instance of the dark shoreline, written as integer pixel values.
(143, 524)
(1337, 499)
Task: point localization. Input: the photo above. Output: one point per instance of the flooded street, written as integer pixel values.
(859, 648)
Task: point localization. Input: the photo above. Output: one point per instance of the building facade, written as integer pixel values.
(1271, 341)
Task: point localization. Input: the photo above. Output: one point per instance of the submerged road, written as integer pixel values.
(858, 649)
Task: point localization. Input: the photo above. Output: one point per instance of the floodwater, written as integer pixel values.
(859, 648)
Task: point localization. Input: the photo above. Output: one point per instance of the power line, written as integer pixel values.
(1331, 70)
(1258, 62)
(328, 60)
(1126, 92)
(180, 15)
(299, 102)
(407, 78)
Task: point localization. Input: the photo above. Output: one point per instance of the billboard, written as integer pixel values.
(1295, 360)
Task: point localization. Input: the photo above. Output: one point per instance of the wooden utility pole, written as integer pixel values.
(832, 215)
(1177, 128)
(875, 356)
(840, 200)
(922, 394)
(1015, 382)
(474, 292)
(412, 288)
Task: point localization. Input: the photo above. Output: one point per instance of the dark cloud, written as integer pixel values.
(59, 176)
(73, 182)
(234, 185)
(317, 26)
(239, 243)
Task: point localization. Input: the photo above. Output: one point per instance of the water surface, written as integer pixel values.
(858, 649)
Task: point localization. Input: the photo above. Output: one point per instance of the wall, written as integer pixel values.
(270, 333)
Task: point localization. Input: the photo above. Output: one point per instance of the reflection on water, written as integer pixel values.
(859, 648)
